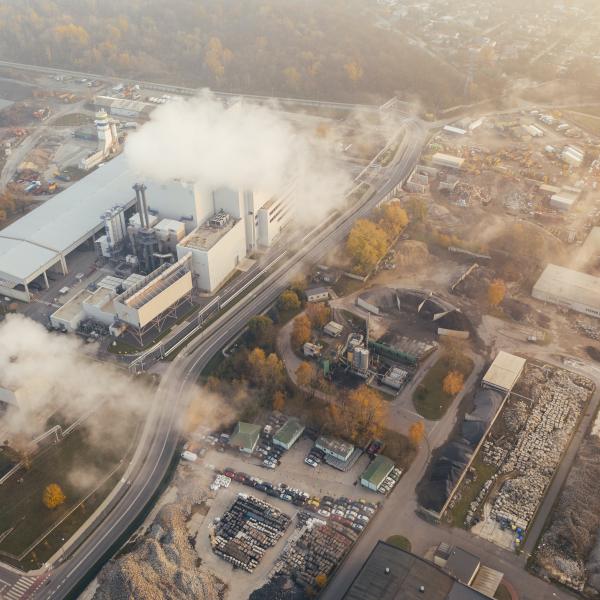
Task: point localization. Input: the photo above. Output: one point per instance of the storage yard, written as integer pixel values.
(525, 447)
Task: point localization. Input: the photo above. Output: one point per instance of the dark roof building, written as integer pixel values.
(463, 565)
(391, 573)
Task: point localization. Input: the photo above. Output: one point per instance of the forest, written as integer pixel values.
(294, 48)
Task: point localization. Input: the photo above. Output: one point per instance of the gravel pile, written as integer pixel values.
(163, 566)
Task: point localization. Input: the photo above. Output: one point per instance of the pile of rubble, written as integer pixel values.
(492, 454)
(557, 400)
(163, 565)
(588, 330)
(569, 548)
(247, 530)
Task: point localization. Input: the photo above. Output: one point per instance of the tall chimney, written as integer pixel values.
(143, 189)
(139, 203)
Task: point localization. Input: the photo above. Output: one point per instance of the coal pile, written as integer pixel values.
(247, 530)
(454, 456)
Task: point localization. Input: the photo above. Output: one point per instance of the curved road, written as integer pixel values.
(161, 434)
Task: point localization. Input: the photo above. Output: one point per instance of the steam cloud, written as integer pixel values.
(49, 372)
(244, 146)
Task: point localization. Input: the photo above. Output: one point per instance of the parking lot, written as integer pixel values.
(316, 482)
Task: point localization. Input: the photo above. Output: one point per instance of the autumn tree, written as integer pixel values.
(392, 218)
(453, 383)
(278, 401)
(305, 374)
(418, 209)
(496, 292)
(289, 300)
(321, 580)
(265, 372)
(318, 314)
(366, 245)
(416, 433)
(301, 331)
(53, 496)
(257, 366)
(354, 71)
(359, 416)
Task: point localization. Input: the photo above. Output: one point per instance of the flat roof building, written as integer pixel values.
(504, 372)
(336, 448)
(390, 573)
(568, 288)
(374, 475)
(288, 434)
(317, 294)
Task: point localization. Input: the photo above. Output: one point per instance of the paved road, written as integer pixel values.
(398, 514)
(161, 434)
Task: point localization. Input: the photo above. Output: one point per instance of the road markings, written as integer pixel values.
(19, 589)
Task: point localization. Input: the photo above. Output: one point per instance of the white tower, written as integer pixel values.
(105, 138)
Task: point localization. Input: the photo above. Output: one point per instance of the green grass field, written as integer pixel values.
(430, 400)
(86, 465)
(400, 542)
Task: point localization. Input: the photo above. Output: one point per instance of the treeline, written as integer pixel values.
(302, 48)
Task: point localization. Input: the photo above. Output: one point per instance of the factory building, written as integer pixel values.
(42, 240)
(570, 289)
(391, 573)
(216, 248)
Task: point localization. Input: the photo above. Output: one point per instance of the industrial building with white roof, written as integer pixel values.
(568, 288)
(43, 238)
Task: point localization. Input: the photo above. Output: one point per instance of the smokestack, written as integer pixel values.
(143, 189)
(139, 203)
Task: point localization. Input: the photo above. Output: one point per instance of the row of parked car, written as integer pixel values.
(314, 457)
(351, 513)
(387, 485)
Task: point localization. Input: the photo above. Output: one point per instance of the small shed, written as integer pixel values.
(333, 329)
(289, 433)
(373, 476)
(317, 294)
(245, 436)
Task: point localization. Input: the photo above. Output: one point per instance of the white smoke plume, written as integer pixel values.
(244, 146)
(49, 373)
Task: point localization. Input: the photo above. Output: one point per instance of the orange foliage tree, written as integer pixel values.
(416, 433)
(301, 331)
(53, 496)
(496, 292)
(278, 400)
(453, 383)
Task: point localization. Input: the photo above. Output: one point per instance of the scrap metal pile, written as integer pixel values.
(557, 399)
(247, 530)
(316, 552)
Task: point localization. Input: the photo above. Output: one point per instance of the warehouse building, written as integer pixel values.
(335, 448)
(245, 436)
(504, 372)
(317, 294)
(570, 289)
(288, 434)
(41, 240)
(447, 160)
(373, 476)
(390, 573)
(122, 107)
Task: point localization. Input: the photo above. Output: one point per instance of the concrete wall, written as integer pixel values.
(179, 201)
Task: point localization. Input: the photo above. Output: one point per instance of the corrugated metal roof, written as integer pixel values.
(504, 371)
(58, 225)
(569, 286)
